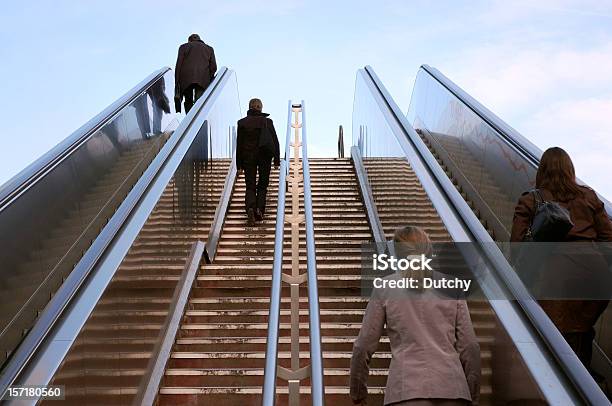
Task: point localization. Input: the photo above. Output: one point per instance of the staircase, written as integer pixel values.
(109, 357)
(405, 202)
(341, 226)
(219, 355)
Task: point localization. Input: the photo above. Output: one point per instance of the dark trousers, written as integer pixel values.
(256, 189)
(192, 94)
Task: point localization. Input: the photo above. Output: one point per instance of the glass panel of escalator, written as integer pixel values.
(111, 358)
(505, 170)
(401, 200)
(47, 228)
(486, 168)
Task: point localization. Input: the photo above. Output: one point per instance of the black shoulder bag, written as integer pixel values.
(550, 222)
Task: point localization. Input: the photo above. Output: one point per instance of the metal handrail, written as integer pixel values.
(562, 352)
(34, 172)
(340, 142)
(149, 387)
(87, 273)
(220, 211)
(316, 356)
(509, 135)
(378, 231)
(270, 371)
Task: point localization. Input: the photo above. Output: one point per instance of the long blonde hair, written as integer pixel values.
(412, 240)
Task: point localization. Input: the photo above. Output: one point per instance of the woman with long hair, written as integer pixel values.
(435, 354)
(556, 181)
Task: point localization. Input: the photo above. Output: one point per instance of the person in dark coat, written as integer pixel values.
(256, 147)
(556, 181)
(195, 69)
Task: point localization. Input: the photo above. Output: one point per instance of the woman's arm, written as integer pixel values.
(522, 217)
(365, 345)
(603, 225)
(468, 349)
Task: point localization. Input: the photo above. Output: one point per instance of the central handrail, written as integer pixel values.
(316, 356)
(295, 373)
(270, 371)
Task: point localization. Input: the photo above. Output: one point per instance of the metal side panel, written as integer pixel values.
(453, 210)
(129, 219)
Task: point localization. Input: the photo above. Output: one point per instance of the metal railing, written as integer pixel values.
(340, 142)
(270, 371)
(522, 145)
(463, 225)
(368, 199)
(41, 353)
(220, 213)
(294, 374)
(39, 168)
(316, 355)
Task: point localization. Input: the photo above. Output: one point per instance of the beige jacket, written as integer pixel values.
(435, 353)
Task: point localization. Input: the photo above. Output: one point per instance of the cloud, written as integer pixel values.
(505, 11)
(555, 88)
(511, 77)
(584, 129)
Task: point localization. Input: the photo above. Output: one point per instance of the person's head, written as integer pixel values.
(412, 241)
(255, 104)
(556, 173)
(194, 37)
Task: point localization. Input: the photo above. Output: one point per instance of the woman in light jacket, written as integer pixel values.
(435, 354)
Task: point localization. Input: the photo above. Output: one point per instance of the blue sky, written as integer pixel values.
(545, 69)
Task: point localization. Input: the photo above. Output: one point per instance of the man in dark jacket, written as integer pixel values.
(257, 145)
(195, 69)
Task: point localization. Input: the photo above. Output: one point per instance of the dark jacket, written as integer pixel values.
(195, 64)
(590, 219)
(247, 145)
(591, 223)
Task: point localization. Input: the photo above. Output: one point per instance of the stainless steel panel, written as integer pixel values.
(52, 211)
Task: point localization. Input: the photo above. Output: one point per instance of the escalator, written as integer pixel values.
(491, 164)
(138, 189)
(110, 355)
(51, 212)
(160, 293)
(525, 359)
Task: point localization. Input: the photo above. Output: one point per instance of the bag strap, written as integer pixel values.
(538, 199)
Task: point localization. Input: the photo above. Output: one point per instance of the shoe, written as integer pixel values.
(250, 218)
(258, 215)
